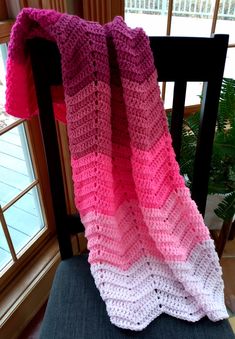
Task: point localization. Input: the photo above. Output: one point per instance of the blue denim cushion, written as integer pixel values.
(76, 310)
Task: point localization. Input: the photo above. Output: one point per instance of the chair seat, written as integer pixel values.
(76, 310)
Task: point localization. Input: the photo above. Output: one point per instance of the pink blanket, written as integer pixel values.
(150, 251)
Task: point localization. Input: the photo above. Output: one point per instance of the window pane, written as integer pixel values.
(169, 95)
(226, 19)
(193, 92)
(160, 84)
(229, 71)
(192, 17)
(5, 119)
(226, 27)
(24, 219)
(151, 15)
(5, 254)
(16, 171)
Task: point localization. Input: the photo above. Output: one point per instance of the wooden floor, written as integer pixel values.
(24, 218)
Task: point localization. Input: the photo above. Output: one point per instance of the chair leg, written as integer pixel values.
(223, 237)
(232, 232)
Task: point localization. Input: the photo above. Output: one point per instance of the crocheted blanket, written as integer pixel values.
(150, 251)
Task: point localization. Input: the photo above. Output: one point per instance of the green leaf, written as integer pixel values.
(188, 146)
(192, 123)
(226, 209)
(227, 105)
(222, 171)
(224, 143)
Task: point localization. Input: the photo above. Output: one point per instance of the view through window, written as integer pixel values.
(21, 213)
(187, 18)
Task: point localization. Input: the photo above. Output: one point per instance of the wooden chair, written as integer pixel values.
(75, 309)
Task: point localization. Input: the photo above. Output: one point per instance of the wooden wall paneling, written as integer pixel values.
(3, 10)
(102, 10)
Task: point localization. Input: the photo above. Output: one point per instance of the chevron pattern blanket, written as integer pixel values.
(149, 249)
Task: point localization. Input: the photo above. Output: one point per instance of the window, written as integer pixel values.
(29, 251)
(21, 210)
(26, 217)
(185, 17)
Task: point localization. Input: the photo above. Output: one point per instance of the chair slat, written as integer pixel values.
(177, 59)
(186, 58)
(178, 115)
(48, 127)
(209, 110)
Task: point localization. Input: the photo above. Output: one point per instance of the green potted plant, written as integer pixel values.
(222, 174)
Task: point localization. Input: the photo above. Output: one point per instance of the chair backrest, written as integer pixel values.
(177, 59)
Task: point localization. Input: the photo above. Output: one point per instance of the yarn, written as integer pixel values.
(149, 249)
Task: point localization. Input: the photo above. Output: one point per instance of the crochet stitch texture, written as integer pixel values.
(150, 252)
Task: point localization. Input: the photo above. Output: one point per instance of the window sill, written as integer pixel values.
(5, 29)
(23, 298)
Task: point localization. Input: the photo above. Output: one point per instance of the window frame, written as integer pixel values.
(36, 149)
(25, 287)
(34, 138)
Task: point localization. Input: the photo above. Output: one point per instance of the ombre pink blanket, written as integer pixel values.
(150, 251)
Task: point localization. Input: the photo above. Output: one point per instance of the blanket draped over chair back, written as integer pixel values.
(149, 249)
